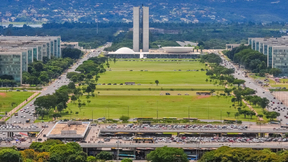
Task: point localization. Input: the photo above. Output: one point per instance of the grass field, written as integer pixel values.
(6, 99)
(113, 104)
(166, 72)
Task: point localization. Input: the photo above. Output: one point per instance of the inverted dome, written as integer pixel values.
(124, 50)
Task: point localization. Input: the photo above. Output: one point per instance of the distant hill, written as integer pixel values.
(160, 10)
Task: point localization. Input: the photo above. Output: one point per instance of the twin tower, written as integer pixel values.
(137, 31)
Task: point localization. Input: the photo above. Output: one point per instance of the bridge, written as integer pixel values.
(195, 130)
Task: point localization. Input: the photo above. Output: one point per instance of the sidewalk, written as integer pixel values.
(18, 107)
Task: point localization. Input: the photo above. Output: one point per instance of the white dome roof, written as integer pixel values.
(124, 50)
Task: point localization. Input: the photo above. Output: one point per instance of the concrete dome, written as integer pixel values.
(125, 50)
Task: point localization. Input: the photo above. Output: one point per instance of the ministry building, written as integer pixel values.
(16, 52)
(276, 50)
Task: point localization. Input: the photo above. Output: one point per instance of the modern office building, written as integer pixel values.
(276, 50)
(144, 31)
(136, 29)
(16, 52)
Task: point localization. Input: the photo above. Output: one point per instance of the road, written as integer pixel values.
(50, 89)
(272, 145)
(261, 92)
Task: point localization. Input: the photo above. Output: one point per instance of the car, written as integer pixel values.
(83, 141)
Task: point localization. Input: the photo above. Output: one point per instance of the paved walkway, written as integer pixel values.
(18, 107)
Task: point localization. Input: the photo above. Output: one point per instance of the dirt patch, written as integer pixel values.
(3, 94)
(203, 96)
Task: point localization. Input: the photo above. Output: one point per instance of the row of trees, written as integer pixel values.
(41, 72)
(8, 83)
(227, 154)
(71, 53)
(58, 100)
(252, 60)
(52, 151)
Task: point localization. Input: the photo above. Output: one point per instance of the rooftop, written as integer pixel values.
(71, 129)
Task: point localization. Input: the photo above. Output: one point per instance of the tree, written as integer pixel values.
(71, 85)
(73, 53)
(167, 154)
(238, 82)
(272, 115)
(236, 114)
(73, 98)
(43, 157)
(9, 155)
(60, 106)
(91, 159)
(157, 82)
(264, 102)
(126, 160)
(275, 71)
(124, 118)
(104, 155)
(228, 113)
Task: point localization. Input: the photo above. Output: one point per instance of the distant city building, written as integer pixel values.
(16, 52)
(231, 46)
(136, 29)
(276, 50)
(71, 45)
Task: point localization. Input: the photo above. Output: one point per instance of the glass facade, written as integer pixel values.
(40, 53)
(30, 56)
(35, 51)
(24, 61)
(11, 65)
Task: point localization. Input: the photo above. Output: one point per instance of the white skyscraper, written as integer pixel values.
(145, 29)
(136, 29)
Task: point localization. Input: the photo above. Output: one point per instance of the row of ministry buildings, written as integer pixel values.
(16, 52)
(276, 50)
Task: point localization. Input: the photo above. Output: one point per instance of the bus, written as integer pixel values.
(143, 140)
(127, 156)
(192, 157)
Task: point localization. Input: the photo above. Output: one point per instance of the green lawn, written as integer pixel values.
(6, 99)
(166, 72)
(156, 65)
(145, 104)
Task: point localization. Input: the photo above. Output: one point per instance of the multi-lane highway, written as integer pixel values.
(262, 92)
(27, 111)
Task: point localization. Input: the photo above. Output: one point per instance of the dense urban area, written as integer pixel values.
(87, 81)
